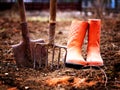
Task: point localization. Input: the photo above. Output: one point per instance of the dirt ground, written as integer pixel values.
(14, 78)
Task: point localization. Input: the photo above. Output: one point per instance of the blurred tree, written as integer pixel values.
(100, 7)
(8, 0)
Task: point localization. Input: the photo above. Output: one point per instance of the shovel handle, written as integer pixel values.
(52, 21)
(22, 10)
(25, 31)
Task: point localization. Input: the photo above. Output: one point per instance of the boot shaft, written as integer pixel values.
(74, 44)
(77, 33)
(94, 34)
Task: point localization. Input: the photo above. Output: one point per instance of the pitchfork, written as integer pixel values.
(51, 46)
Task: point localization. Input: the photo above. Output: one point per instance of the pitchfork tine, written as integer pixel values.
(46, 61)
(40, 65)
(59, 57)
(34, 56)
(34, 65)
(64, 59)
(53, 51)
(65, 55)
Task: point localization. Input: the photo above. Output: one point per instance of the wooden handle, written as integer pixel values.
(24, 28)
(22, 10)
(53, 5)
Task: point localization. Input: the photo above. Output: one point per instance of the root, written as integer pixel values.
(106, 78)
(105, 75)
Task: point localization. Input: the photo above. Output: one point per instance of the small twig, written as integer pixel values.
(102, 70)
(9, 50)
(106, 78)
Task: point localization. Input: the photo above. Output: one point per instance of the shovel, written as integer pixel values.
(51, 48)
(24, 51)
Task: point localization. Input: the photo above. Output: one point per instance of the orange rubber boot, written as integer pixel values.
(74, 57)
(93, 48)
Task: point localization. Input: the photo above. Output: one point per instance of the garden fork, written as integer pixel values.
(51, 46)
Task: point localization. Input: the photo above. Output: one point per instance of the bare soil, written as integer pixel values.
(14, 78)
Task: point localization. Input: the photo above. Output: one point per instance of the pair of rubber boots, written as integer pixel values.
(74, 45)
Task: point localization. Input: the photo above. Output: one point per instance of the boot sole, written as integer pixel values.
(75, 66)
(78, 66)
(94, 67)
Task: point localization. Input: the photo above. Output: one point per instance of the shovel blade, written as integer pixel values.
(20, 58)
